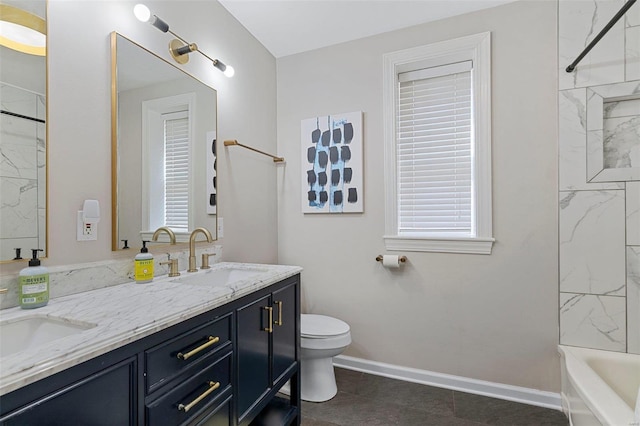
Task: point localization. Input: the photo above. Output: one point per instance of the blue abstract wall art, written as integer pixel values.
(331, 154)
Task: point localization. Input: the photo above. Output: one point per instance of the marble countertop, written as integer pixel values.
(123, 314)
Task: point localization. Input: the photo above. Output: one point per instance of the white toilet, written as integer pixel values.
(321, 338)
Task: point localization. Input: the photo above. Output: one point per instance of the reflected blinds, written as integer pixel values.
(176, 170)
(435, 150)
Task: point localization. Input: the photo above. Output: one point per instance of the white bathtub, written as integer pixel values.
(599, 387)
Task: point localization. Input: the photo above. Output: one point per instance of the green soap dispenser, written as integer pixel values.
(33, 284)
(143, 269)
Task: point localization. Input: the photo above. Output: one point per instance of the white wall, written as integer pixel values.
(485, 317)
(80, 126)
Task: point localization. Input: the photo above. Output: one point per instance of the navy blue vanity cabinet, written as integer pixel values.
(268, 348)
(220, 368)
(98, 392)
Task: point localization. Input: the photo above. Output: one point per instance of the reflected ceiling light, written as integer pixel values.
(178, 47)
(22, 31)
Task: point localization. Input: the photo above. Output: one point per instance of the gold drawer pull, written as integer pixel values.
(210, 341)
(212, 386)
(269, 328)
(279, 320)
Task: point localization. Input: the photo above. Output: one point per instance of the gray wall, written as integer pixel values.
(485, 317)
(80, 126)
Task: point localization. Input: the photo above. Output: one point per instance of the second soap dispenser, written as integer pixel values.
(143, 269)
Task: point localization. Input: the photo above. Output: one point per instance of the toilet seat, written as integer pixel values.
(314, 326)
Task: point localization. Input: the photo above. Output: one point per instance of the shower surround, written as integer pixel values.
(599, 177)
(22, 172)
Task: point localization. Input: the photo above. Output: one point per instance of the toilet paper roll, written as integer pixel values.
(391, 261)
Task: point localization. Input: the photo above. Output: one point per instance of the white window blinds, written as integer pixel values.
(435, 151)
(176, 171)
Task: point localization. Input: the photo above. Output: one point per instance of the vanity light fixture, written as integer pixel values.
(22, 31)
(178, 47)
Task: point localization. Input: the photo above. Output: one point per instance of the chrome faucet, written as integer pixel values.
(172, 236)
(192, 247)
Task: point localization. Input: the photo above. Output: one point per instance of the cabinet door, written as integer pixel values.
(106, 398)
(253, 352)
(284, 330)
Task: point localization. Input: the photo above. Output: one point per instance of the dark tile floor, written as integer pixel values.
(369, 400)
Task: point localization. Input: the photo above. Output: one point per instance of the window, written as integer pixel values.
(438, 147)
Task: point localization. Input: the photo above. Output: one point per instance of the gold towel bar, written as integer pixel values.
(235, 142)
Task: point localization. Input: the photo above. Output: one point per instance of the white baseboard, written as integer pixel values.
(463, 384)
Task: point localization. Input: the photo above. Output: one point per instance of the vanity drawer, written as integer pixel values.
(168, 359)
(191, 397)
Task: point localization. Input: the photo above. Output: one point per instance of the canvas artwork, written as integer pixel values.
(331, 158)
(211, 173)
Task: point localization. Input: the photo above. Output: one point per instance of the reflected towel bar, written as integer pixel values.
(235, 142)
(597, 38)
(26, 117)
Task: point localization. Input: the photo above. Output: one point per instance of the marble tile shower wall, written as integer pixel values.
(599, 217)
(22, 172)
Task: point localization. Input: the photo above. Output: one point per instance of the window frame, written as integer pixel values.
(476, 48)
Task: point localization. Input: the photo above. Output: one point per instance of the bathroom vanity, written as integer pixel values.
(198, 353)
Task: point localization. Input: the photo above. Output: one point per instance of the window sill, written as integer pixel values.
(440, 245)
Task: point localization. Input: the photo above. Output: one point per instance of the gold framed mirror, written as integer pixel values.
(163, 126)
(23, 129)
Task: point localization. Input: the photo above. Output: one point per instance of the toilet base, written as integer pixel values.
(317, 379)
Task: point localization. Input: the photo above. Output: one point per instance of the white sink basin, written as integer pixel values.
(219, 276)
(34, 330)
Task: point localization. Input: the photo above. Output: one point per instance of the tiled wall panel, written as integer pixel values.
(592, 251)
(580, 22)
(599, 234)
(633, 299)
(593, 321)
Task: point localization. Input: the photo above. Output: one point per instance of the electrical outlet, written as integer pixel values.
(86, 231)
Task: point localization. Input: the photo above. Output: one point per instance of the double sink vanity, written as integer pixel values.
(212, 347)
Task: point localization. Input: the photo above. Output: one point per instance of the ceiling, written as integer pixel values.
(293, 26)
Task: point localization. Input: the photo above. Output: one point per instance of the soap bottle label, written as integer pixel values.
(34, 289)
(143, 270)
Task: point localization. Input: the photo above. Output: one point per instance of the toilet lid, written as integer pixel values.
(312, 325)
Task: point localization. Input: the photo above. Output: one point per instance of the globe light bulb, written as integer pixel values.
(142, 12)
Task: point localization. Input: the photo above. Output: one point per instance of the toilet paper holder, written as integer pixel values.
(402, 259)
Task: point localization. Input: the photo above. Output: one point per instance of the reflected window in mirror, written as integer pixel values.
(167, 163)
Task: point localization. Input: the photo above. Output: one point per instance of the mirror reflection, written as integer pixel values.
(23, 145)
(164, 147)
